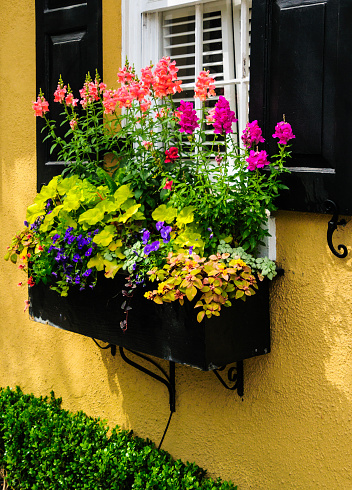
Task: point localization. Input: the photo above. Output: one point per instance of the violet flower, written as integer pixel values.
(145, 236)
(153, 247)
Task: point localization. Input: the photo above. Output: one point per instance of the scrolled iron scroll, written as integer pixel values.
(332, 226)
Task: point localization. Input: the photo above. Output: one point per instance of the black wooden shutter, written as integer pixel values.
(301, 65)
(68, 43)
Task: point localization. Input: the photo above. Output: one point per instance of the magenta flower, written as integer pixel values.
(283, 131)
(168, 185)
(252, 134)
(223, 117)
(171, 154)
(257, 159)
(188, 120)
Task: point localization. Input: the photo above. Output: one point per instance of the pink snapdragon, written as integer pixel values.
(110, 100)
(168, 185)
(90, 92)
(188, 120)
(252, 134)
(125, 75)
(147, 144)
(283, 131)
(205, 86)
(165, 78)
(41, 106)
(60, 92)
(70, 101)
(257, 159)
(73, 124)
(223, 117)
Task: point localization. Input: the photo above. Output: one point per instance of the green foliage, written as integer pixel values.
(45, 447)
(144, 178)
(186, 275)
(262, 266)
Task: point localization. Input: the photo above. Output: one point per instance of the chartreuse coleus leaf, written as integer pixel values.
(187, 238)
(185, 216)
(122, 194)
(64, 185)
(49, 218)
(106, 236)
(48, 191)
(91, 217)
(164, 213)
(34, 211)
(111, 267)
(129, 213)
(97, 261)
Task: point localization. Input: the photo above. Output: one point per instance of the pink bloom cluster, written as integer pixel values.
(60, 92)
(223, 117)
(91, 91)
(165, 80)
(283, 131)
(257, 159)
(252, 135)
(204, 86)
(41, 106)
(168, 185)
(171, 154)
(188, 117)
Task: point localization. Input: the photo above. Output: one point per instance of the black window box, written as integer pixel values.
(169, 331)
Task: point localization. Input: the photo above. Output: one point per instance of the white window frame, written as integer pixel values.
(141, 27)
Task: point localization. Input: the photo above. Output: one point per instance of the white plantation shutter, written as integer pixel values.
(209, 36)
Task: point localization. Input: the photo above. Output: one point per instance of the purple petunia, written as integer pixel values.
(87, 273)
(76, 258)
(165, 233)
(159, 225)
(189, 119)
(88, 252)
(145, 236)
(153, 247)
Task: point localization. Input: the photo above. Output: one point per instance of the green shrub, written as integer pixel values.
(43, 447)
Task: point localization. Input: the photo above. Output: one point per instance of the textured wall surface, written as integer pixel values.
(293, 428)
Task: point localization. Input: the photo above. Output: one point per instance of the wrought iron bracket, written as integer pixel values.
(109, 346)
(332, 226)
(168, 379)
(234, 375)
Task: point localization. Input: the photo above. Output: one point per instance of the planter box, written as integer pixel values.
(169, 331)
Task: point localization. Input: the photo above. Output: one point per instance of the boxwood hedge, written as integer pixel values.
(44, 447)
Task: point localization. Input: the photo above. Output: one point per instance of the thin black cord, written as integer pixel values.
(167, 426)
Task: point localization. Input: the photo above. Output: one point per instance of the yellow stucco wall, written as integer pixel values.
(293, 428)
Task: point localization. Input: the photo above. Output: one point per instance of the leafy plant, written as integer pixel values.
(145, 178)
(185, 275)
(44, 446)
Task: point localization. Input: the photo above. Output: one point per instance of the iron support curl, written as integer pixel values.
(332, 226)
(234, 375)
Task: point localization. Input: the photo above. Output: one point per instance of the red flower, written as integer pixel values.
(168, 185)
(171, 154)
(30, 282)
